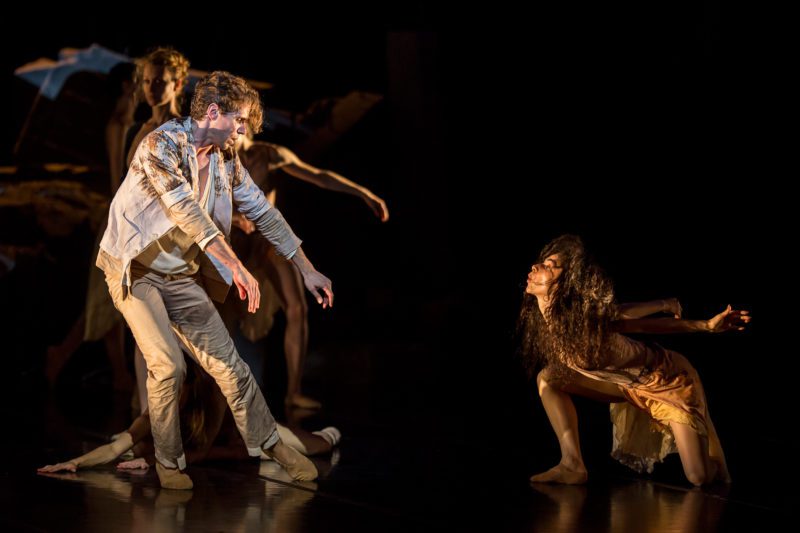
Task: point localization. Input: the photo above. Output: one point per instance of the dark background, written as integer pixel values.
(652, 131)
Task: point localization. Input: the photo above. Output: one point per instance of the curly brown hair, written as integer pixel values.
(231, 93)
(581, 308)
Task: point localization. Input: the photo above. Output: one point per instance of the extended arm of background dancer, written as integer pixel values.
(630, 311)
(325, 179)
(332, 181)
(728, 320)
(140, 428)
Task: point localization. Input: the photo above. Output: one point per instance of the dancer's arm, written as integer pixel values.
(99, 456)
(327, 179)
(629, 311)
(106, 453)
(727, 320)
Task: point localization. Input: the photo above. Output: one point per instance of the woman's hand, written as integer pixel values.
(136, 464)
(69, 466)
(727, 320)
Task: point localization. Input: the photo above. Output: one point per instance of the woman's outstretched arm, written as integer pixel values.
(630, 311)
(106, 453)
(99, 456)
(728, 320)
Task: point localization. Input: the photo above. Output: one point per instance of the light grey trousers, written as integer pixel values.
(164, 312)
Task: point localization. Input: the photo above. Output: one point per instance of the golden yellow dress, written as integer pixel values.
(660, 387)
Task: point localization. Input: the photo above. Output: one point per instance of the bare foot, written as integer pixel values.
(302, 401)
(172, 478)
(296, 464)
(562, 474)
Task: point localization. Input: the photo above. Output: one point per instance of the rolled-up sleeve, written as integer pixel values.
(193, 221)
(277, 231)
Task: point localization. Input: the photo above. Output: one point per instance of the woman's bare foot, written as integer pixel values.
(298, 466)
(302, 401)
(172, 478)
(562, 474)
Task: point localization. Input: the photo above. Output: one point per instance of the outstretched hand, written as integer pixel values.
(69, 466)
(378, 207)
(728, 320)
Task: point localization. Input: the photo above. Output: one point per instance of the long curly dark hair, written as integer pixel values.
(581, 307)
